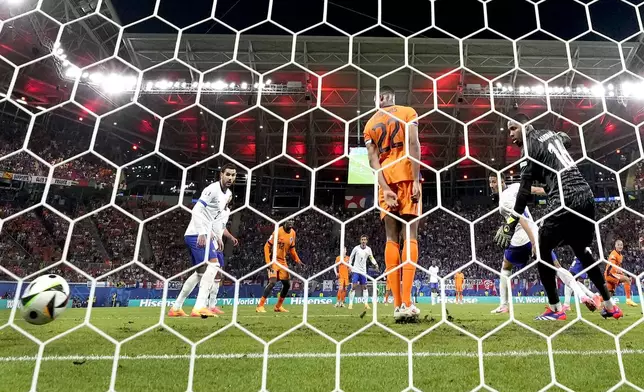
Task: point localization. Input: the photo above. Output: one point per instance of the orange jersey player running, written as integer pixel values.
(459, 279)
(342, 273)
(386, 136)
(614, 275)
(285, 245)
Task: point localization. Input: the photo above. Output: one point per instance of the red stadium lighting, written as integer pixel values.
(135, 147)
(337, 178)
(465, 177)
(80, 118)
(297, 176)
(618, 151)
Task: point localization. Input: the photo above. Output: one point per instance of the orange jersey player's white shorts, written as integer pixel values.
(277, 272)
(406, 206)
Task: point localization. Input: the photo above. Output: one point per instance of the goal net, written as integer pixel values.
(116, 117)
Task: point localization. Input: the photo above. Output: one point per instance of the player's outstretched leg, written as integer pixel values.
(352, 295)
(189, 285)
(506, 271)
(365, 296)
(409, 270)
(286, 285)
(596, 276)
(547, 274)
(626, 281)
(267, 293)
(570, 283)
(205, 286)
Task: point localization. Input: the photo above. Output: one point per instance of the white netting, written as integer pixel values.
(77, 114)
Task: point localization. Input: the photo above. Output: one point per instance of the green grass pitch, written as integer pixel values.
(515, 359)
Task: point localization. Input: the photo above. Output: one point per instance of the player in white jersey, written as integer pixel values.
(211, 204)
(219, 233)
(433, 281)
(521, 249)
(358, 263)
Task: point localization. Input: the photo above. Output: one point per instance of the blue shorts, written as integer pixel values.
(433, 286)
(357, 278)
(576, 268)
(197, 253)
(520, 256)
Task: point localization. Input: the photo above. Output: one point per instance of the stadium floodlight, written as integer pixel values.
(539, 90)
(72, 72)
(206, 85)
(63, 56)
(268, 81)
(578, 90)
(59, 51)
(85, 75)
(522, 89)
(219, 85)
(66, 63)
(149, 86)
(184, 85)
(231, 85)
(96, 77)
(244, 85)
(597, 90)
(256, 85)
(610, 87)
(499, 85)
(504, 89)
(177, 84)
(585, 90)
(195, 84)
(510, 88)
(568, 89)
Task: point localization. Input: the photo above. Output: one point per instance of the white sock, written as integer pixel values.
(567, 293)
(503, 287)
(187, 288)
(568, 279)
(555, 307)
(586, 290)
(352, 295)
(205, 285)
(365, 296)
(434, 298)
(212, 301)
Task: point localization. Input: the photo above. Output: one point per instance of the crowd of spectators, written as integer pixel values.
(105, 240)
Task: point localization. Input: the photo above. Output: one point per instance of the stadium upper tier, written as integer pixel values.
(437, 81)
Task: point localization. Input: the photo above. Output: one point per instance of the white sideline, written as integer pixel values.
(460, 354)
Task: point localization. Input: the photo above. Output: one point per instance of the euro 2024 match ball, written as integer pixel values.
(44, 299)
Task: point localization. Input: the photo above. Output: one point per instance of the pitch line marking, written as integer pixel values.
(460, 354)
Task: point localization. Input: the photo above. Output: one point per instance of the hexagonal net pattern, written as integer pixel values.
(115, 121)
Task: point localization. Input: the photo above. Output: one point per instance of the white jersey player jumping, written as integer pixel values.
(358, 263)
(521, 249)
(213, 201)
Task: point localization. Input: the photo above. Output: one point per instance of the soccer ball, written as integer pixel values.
(44, 299)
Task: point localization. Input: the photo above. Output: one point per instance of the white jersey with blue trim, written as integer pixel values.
(433, 274)
(208, 210)
(358, 259)
(220, 225)
(507, 200)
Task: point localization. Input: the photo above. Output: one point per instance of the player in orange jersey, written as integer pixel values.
(459, 279)
(385, 300)
(386, 136)
(285, 245)
(614, 275)
(342, 273)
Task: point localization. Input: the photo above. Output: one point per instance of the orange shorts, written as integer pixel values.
(343, 281)
(278, 273)
(405, 205)
(611, 283)
(459, 289)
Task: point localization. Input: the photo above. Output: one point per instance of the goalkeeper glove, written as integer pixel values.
(504, 234)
